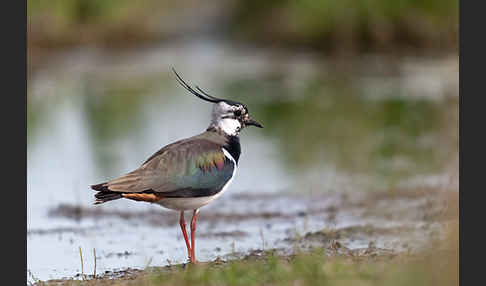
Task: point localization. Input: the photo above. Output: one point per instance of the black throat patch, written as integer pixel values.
(233, 147)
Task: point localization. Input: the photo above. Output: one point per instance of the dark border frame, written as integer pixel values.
(14, 135)
(471, 171)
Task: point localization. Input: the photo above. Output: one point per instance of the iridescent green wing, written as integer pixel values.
(206, 174)
(193, 167)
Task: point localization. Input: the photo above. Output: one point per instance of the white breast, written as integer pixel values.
(228, 155)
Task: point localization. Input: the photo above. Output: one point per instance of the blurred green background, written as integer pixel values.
(366, 88)
(358, 25)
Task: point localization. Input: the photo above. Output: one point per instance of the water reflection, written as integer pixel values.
(111, 118)
(331, 123)
(318, 120)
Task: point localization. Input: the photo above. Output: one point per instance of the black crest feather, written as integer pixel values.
(202, 94)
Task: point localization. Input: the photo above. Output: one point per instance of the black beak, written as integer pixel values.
(251, 122)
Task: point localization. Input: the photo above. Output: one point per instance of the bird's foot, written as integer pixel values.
(196, 263)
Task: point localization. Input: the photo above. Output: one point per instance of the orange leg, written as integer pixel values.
(182, 223)
(193, 236)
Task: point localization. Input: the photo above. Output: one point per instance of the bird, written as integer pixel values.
(189, 173)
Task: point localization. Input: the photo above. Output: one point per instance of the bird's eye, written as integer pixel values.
(237, 112)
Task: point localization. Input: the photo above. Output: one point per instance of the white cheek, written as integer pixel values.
(229, 126)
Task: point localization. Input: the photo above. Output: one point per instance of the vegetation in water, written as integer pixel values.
(359, 25)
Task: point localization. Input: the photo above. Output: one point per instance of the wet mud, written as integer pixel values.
(377, 225)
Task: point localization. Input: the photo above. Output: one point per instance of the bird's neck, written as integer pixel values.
(231, 142)
(233, 147)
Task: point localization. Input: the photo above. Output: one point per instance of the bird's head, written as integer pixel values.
(228, 115)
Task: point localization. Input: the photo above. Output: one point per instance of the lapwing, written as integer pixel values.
(190, 173)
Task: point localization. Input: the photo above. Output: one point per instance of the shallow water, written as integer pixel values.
(371, 124)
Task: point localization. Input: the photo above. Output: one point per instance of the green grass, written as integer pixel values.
(312, 269)
(111, 23)
(381, 25)
(86, 11)
(304, 269)
(350, 24)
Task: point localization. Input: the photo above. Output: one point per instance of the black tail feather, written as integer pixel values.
(102, 197)
(104, 194)
(100, 187)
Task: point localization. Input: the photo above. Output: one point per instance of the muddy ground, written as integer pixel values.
(379, 225)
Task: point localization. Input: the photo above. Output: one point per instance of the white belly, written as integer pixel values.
(183, 204)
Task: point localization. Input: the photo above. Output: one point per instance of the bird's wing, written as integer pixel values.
(185, 168)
